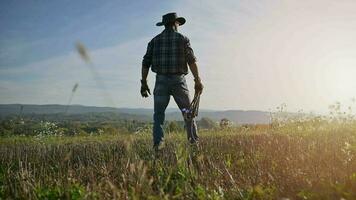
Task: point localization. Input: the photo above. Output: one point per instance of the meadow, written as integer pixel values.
(314, 158)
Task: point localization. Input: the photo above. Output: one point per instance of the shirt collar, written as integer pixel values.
(169, 30)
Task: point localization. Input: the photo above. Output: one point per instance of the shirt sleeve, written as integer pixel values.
(189, 53)
(147, 58)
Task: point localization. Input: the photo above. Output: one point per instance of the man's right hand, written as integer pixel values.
(198, 86)
(145, 90)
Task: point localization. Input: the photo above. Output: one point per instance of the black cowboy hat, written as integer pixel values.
(171, 17)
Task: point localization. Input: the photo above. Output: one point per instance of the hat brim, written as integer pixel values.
(181, 21)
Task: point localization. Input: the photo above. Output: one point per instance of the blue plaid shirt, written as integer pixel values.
(169, 53)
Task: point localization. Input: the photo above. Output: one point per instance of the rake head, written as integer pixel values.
(192, 111)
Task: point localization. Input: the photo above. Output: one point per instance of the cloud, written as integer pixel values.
(251, 55)
(258, 54)
(118, 66)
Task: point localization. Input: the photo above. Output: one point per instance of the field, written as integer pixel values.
(313, 159)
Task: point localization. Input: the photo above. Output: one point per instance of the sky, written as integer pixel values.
(252, 54)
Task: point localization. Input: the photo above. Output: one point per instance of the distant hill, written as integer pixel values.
(237, 116)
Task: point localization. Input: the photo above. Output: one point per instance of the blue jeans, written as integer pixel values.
(165, 86)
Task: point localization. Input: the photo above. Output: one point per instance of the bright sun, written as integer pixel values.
(339, 79)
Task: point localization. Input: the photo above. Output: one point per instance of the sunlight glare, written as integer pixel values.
(340, 79)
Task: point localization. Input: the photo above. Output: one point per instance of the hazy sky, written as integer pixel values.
(252, 54)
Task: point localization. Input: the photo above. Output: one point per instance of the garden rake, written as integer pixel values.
(193, 110)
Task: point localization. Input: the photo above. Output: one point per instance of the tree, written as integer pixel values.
(225, 123)
(206, 123)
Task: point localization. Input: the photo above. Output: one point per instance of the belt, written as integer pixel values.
(170, 74)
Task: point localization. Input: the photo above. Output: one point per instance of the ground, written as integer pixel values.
(296, 160)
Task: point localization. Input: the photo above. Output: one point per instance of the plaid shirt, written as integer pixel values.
(168, 53)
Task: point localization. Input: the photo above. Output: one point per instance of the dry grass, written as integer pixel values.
(309, 160)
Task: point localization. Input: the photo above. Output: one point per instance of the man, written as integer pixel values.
(169, 54)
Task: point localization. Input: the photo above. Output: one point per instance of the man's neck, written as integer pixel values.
(171, 28)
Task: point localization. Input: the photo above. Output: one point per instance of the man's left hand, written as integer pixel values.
(145, 90)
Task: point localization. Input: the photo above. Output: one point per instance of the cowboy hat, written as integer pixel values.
(171, 17)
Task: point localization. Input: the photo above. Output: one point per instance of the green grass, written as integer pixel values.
(296, 160)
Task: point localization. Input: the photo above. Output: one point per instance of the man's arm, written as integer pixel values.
(194, 69)
(146, 63)
(191, 60)
(198, 85)
(145, 90)
(144, 73)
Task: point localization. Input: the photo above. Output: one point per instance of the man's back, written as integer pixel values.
(169, 53)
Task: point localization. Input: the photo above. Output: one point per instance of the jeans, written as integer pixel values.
(165, 86)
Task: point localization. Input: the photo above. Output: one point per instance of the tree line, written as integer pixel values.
(89, 123)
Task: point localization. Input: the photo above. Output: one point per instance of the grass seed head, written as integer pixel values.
(82, 52)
